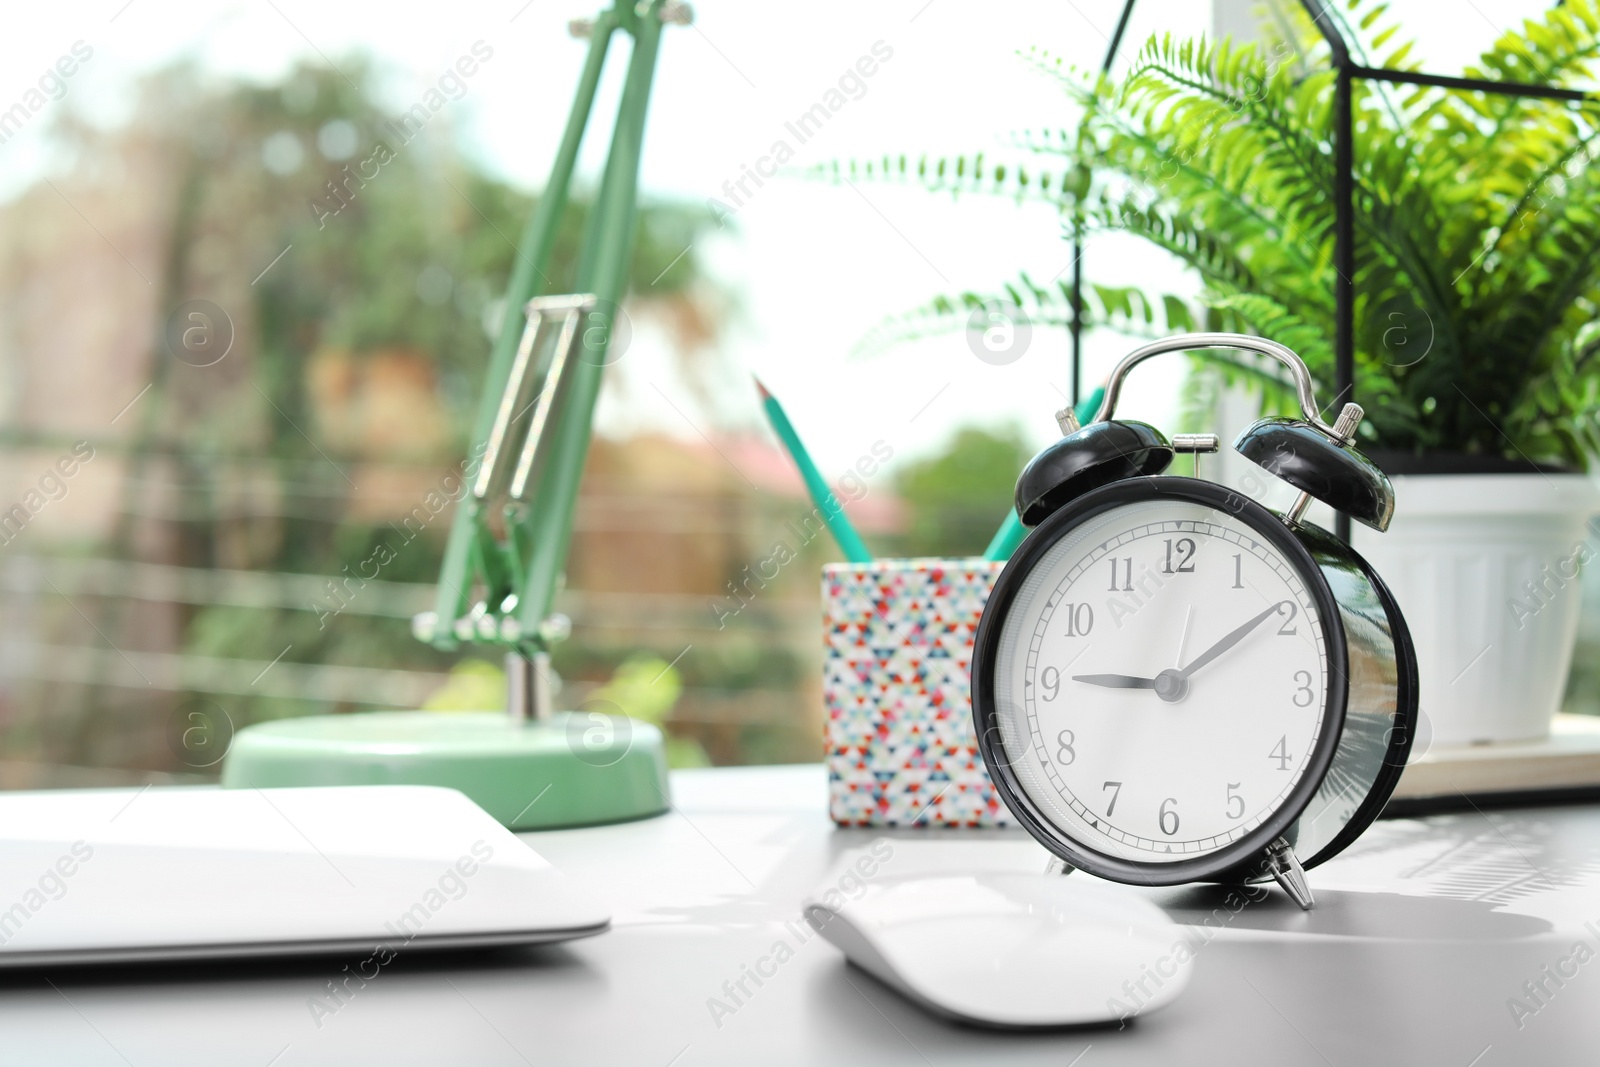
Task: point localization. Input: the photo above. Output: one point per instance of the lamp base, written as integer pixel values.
(573, 769)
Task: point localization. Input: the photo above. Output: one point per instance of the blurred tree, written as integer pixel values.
(647, 687)
(397, 256)
(474, 685)
(360, 271)
(958, 497)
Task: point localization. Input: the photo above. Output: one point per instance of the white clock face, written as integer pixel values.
(1161, 681)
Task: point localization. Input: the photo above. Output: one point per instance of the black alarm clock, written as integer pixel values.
(1172, 683)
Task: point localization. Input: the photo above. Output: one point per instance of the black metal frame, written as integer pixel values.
(1112, 46)
(1344, 251)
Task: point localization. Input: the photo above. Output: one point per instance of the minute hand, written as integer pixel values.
(1226, 643)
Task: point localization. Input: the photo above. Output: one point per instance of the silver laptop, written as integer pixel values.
(103, 876)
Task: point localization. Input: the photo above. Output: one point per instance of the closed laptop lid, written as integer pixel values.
(173, 873)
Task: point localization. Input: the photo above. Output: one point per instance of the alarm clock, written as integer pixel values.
(1174, 683)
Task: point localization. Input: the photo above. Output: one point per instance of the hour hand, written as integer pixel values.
(1116, 681)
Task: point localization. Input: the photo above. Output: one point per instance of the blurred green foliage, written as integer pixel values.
(647, 687)
(474, 685)
(959, 496)
(386, 244)
(1476, 216)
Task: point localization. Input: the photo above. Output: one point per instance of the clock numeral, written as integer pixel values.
(1305, 688)
(1232, 796)
(1288, 609)
(1167, 813)
(1050, 679)
(1080, 620)
(1185, 557)
(1127, 580)
(1281, 753)
(1238, 570)
(1116, 791)
(1065, 753)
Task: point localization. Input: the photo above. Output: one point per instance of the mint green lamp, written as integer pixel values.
(530, 766)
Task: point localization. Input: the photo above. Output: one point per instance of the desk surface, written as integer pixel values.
(1425, 931)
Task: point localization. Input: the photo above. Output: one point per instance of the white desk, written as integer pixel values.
(1422, 933)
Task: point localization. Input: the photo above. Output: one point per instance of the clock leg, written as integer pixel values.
(1057, 865)
(1284, 865)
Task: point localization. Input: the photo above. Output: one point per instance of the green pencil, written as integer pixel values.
(855, 550)
(1011, 532)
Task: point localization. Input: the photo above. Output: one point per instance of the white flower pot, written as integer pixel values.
(1485, 568)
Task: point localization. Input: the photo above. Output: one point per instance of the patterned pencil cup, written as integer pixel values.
(897, 636)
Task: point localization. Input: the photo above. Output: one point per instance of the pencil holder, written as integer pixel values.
(898, 639)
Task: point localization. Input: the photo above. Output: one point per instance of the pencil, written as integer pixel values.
(1011, 532)
(855, 550)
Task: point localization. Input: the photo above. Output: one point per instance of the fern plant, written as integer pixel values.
(1477, 221)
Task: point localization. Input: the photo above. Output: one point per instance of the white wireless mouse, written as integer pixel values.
(1009, 950)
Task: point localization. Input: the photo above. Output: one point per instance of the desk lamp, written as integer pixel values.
(531, 767)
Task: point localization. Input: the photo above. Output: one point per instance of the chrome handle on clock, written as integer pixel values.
(1313, 456)
(1317, 458)
(1239, 342)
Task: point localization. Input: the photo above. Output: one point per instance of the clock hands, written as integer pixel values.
(1183, 638)
(1172, 685)
(1226, 643)
(1116, 681)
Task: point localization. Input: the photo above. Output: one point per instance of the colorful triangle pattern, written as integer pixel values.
(897, 648)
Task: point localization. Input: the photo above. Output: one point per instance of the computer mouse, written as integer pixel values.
(1010, 949)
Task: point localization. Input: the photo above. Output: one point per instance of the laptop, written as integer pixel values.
(183, 873)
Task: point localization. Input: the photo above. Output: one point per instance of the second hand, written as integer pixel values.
(1183, 638)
